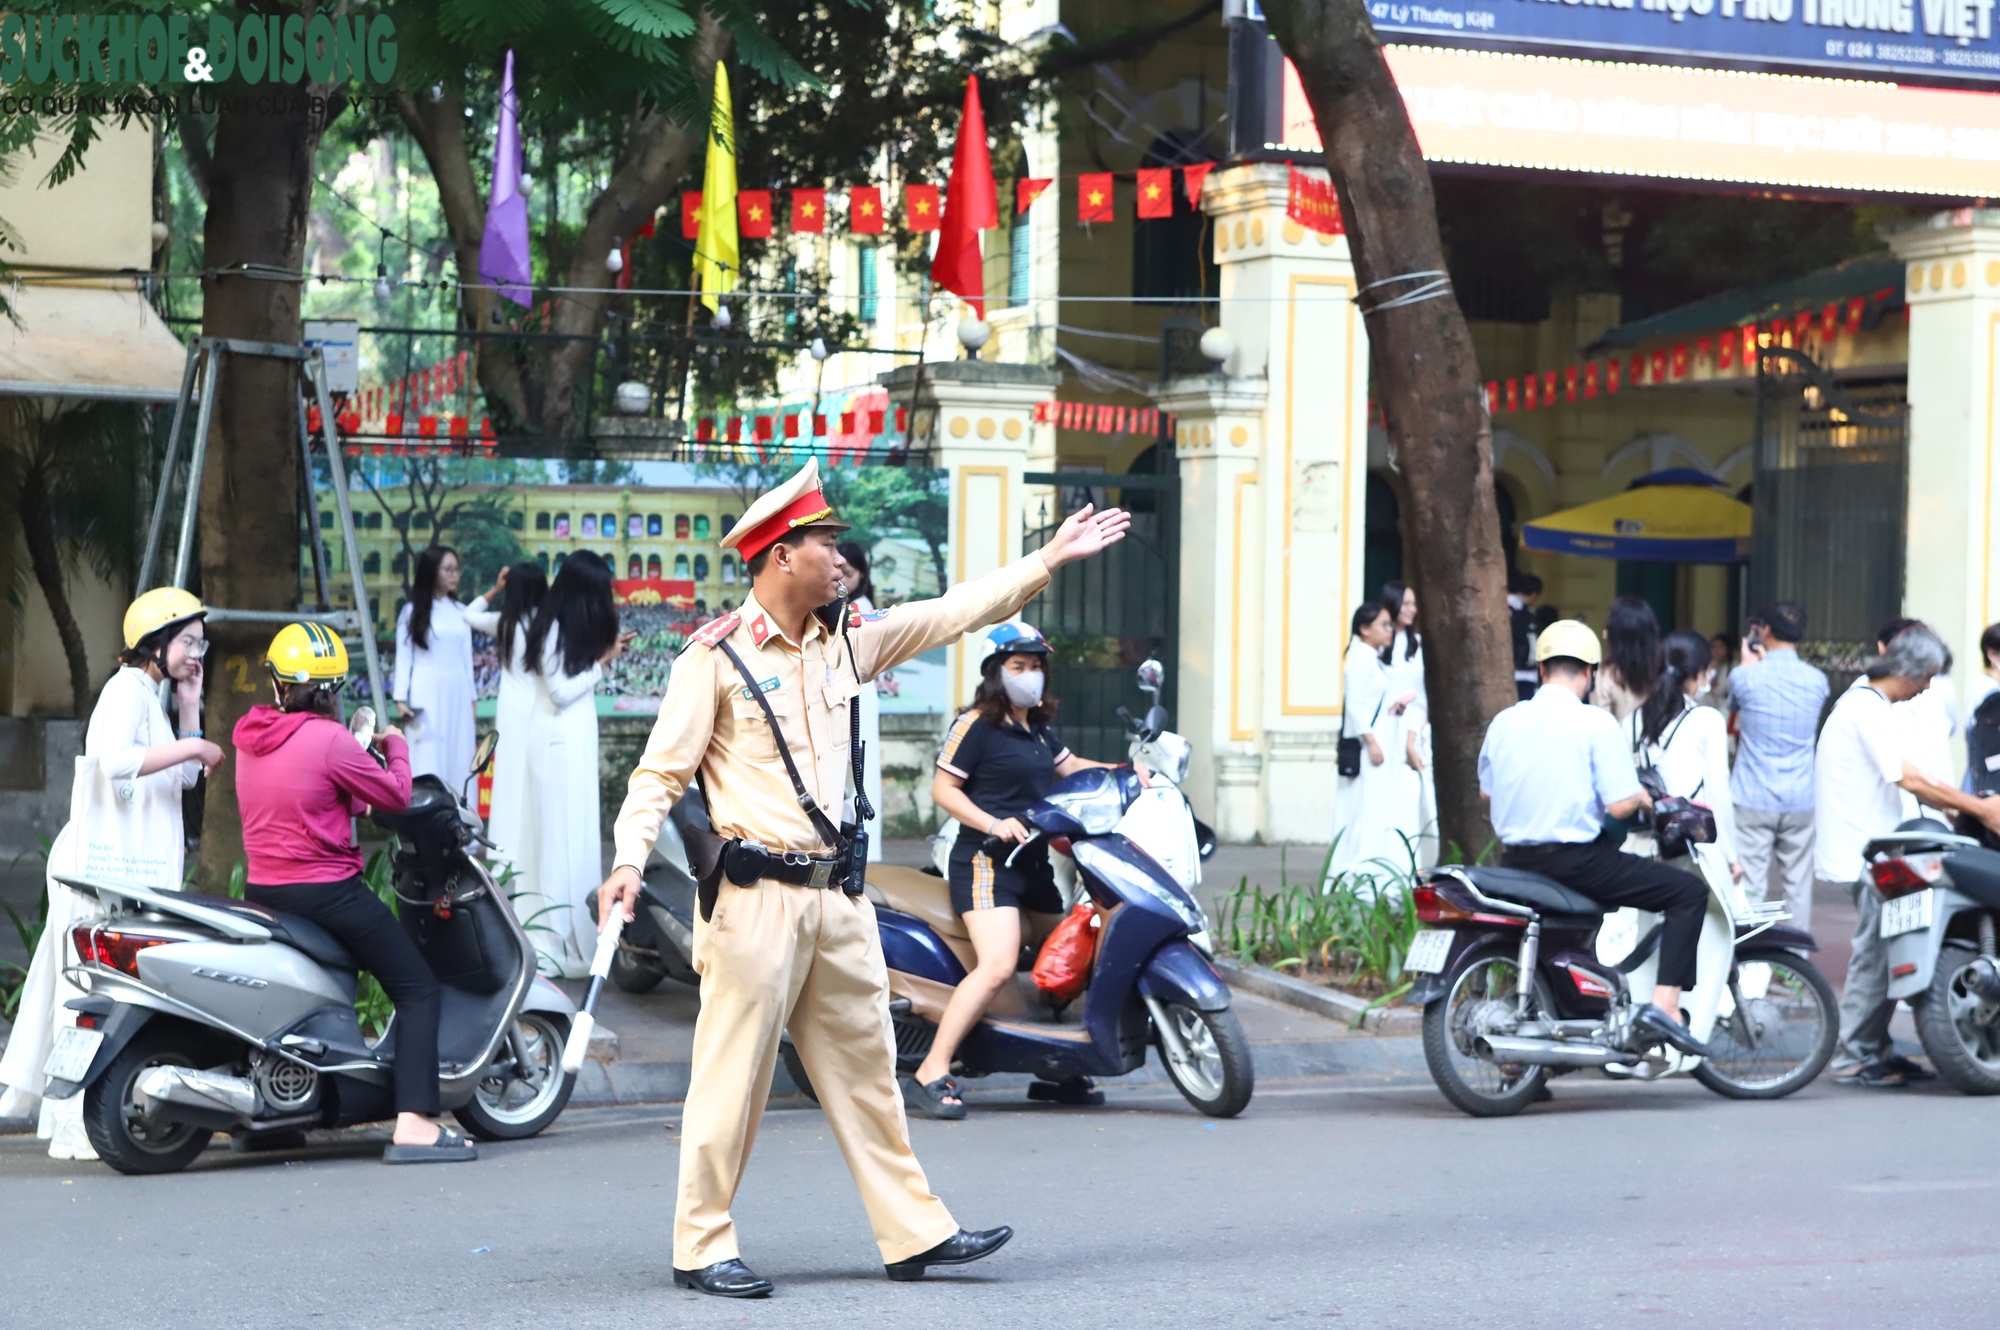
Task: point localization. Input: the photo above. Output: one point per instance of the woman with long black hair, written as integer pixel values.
(433, 687)
(519, 592)
(1632, 658)
(861, 595)
(572, 637)
(1686, 743)
(1403, 662)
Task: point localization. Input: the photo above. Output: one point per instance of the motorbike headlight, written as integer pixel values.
(1169, 756)
(1095, 805)
(1114, 869)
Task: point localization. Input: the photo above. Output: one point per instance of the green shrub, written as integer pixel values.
(1356, 925)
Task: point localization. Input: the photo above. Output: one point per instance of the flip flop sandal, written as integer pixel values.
(448, 1148)
(929, 1100)
(1875, 1076)
(1911, 1072)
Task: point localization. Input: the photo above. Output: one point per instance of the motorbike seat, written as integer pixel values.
(298, 932)
(1544, 895)
(927, 898)
(1976, 873)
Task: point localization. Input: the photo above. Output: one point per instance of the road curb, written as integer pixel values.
(1349, 1010)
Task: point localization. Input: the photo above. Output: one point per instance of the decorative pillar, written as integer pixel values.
(1952, 283)
(977, 419)
(1273, 455)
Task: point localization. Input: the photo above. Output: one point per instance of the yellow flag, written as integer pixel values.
(716, 252)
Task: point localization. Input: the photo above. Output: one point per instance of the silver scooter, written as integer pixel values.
(1940, 893)
(203, 1014)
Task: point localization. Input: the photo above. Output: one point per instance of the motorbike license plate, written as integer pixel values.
(1906, 914)
(70, 1059)
(1428, 950)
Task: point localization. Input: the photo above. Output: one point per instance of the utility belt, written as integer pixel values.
(747, 862)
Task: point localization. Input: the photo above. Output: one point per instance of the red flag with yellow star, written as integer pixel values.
(1156, 192)
(753, 213)
(864, 210)
(1093, 197)
(920, 207)
(809, 210)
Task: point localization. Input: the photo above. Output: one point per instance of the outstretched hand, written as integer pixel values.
(1087, 532)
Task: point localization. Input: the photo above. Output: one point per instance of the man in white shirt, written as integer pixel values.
(1860, 774)
(1554, 768)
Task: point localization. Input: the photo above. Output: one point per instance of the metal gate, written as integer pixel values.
(1830, 498)
(1104, 616)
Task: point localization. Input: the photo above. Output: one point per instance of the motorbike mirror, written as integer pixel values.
(362, 725)
(482, 756)
(1156, 720)
(1151, 676)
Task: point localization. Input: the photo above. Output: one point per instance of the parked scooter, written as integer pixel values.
(1940, 893)
(1513, 991)
(206, 1015)
(1137, 852)
(659, 942)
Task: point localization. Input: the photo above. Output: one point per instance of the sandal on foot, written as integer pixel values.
(1078, 1090)
(1879, 1075)
(448, 1148)
(929, 1100)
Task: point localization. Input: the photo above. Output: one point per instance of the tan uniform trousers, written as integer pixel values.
(776, 957)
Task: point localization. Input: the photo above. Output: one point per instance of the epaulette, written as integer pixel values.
(715, 630)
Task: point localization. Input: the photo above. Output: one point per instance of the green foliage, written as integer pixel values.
(1355, 925)
(14, 977)
(239, 877)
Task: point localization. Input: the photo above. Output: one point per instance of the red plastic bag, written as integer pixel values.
(1062, 970)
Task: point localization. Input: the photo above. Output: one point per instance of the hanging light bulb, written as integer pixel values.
(382, 288)
(721, 319)
(818, 350)
(615, 260)
(527, 185)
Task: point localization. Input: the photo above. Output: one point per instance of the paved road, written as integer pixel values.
(1326, 1203)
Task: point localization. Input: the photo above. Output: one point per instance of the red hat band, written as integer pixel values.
(808, 508)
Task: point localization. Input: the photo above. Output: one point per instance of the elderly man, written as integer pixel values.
(1860, 774)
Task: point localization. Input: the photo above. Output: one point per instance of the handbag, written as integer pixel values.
(1676, 822)
(1349, 753)
(1062, 967)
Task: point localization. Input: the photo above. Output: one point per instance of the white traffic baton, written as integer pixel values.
(600, 967)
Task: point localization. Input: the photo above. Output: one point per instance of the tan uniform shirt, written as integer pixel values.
(710, 719)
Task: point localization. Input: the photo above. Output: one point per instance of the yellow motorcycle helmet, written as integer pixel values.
(162, 607)
(307, 653)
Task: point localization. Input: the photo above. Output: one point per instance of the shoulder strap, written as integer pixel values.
(821, 822)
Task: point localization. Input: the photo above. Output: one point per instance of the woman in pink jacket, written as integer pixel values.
(301, 780)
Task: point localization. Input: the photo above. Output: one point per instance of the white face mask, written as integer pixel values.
(1023, 690)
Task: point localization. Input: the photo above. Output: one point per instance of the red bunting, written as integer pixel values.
(753, 213)
(1311, 203)
(864, 210)
(920, 207)
(691, 214)
(1192, 177)
(1093, 197)
(1028, 190)
(1156, 192)
(809, 211)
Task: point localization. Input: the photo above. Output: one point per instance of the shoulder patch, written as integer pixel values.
(714, 631)
(855, 618)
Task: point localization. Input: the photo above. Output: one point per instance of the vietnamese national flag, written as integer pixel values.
(753, 213)
(920, 207)
(809, 210)
(1156, 192)
(1093, 197)
(970, 205)
(864, 210)
(1028, 190)
(691, 214)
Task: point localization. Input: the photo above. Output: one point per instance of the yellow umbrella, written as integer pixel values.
(1667, 517)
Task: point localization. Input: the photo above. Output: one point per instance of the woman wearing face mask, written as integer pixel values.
(999, 758)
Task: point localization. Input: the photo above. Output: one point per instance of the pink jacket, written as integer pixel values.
(300, 780)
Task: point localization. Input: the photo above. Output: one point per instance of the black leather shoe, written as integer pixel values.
(1650, 1020)
(725, 1279)
(961, 1248)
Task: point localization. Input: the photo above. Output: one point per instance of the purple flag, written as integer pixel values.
(503, 250)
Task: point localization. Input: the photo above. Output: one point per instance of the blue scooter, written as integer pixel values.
(1137, 852)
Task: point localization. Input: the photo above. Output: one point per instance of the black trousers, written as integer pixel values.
(351, 912)
(1613, 878)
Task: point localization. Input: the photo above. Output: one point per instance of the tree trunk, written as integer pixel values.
(260, 191)
(656, 154)
(38, 532)
(1427, 384)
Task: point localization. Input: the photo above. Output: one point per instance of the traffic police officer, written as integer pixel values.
(1554, 768)
(784, 952)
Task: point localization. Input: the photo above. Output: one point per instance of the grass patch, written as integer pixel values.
(1350, 929)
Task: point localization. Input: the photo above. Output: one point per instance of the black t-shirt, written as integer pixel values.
(1005, 768)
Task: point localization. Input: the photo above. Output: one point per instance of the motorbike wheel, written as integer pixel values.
(1782, 1040)
(1484, 1089)
(633, 975)
(124, 1135)
(1960, 1031)
(1218, 1077)
(505, 1106)
(795, 1068)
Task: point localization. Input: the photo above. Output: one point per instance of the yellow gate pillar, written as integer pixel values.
(1951, 575)
(1273, 457)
